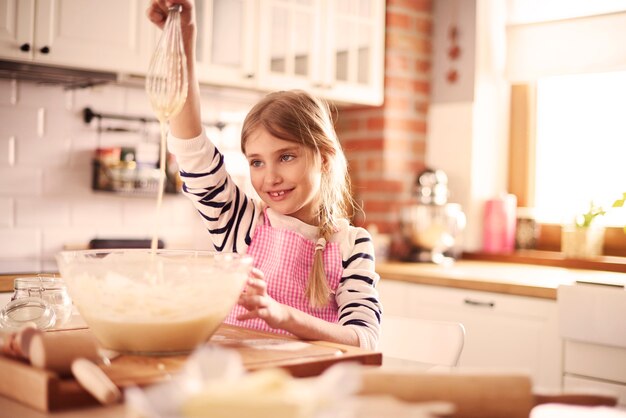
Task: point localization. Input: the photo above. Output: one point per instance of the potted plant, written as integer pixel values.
(585, 237)
(619, 203)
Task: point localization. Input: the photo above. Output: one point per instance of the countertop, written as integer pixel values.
(44, 390)
(488, 276)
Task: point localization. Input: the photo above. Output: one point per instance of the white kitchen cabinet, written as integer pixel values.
(226, 43)
(335, 49)
(503, 332)
(111, 35)
(593, 327)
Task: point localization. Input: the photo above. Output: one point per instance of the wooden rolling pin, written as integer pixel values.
(474, 395)
(73, 352)
(56, 350)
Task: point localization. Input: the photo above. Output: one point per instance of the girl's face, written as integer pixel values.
(286, 175)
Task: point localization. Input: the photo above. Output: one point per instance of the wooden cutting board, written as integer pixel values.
(47, 391)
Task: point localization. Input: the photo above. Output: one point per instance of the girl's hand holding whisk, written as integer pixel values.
(157, 13)
(259, 304)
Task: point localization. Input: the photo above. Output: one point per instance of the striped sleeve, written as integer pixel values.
(357, 297)
(228, 214)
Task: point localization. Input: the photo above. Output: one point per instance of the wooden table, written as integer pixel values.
(46, 391)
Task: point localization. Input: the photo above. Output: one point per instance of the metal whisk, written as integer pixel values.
(167, 81)
(166, 85)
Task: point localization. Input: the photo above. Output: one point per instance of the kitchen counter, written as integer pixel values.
(489, 276)
(506, 278)
(43, 391)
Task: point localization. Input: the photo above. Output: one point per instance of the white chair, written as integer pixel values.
(420, 342)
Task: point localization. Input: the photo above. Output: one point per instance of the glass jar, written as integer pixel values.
(38, 299)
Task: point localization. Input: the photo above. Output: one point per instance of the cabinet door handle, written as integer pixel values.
(44, 50)
(249, 75)
(25, 47)
(473, 302)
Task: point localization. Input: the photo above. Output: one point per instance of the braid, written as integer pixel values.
(317, 290)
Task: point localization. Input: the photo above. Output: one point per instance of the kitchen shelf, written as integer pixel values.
(131, 182)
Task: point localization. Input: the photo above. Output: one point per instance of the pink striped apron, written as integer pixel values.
(286, 258)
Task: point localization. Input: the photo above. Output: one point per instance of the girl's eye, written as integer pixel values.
(255, 163)
(287, 157)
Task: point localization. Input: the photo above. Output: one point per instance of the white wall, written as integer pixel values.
(46, 201)
(468, 134)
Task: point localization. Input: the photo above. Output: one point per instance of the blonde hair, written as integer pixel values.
(297, 116)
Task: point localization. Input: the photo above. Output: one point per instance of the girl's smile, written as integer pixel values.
(279, 195)
(286, 175)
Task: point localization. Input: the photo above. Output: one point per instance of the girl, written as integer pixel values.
(314, 273)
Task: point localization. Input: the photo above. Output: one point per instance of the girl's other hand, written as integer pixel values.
(259, 304)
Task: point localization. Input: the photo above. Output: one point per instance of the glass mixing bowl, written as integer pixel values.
(153, 302)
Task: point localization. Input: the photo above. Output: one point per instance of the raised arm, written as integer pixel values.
(188, 123)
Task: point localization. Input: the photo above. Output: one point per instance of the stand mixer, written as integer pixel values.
(431, 227)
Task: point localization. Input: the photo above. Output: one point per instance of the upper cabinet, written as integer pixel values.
(334, 49)
(111, 35)
(227, 39)
(290, 44)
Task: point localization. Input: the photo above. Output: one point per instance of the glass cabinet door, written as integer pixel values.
(355, 49)
(225, 52)
(290, 44)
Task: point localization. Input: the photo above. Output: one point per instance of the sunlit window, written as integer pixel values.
(581, 145)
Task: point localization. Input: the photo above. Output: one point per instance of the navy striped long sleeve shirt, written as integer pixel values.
(231, 216)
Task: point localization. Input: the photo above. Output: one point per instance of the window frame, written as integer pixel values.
(521, 180)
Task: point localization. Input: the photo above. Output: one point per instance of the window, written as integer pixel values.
(580, 151)
(568, 101)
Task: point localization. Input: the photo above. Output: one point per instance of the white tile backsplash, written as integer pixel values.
(7, 218)
(36, 95)
(42, 152)
(46, 201)
(56, 239)
(8, 92)
(20, 181)
(74, 181)
(101, 99)
(20, 243)
(39, 212)
(16, 265)
(142, 212)
(100, 212)
(7, 151)
(18, 121)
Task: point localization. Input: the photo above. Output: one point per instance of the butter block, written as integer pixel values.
(270, 393)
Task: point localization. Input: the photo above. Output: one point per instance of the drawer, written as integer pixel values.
(592, 313)
(577, 384)
(478, 301)
(597, 361)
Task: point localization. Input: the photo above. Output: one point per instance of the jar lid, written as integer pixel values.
(20, 312)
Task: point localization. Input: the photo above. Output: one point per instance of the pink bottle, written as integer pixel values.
(499, 224)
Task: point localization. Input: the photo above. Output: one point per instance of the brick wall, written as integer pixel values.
(385, 146)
